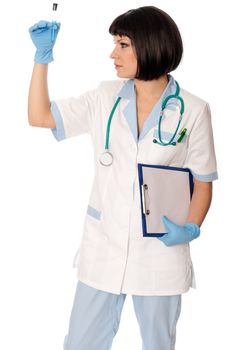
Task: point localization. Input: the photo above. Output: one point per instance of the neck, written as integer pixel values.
(152, 88)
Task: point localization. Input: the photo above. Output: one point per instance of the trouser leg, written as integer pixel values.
(157, 317)
(94, 319)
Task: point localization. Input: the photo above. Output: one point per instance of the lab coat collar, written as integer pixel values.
(128, 92)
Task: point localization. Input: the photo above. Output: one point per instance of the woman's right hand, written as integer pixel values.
(43, 35)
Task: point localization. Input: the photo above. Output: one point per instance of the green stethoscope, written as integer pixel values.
(106, 158)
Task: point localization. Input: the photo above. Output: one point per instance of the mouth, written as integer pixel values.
(117, 66)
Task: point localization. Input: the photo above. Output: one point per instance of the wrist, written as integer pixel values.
(193, 228)
(44, 56)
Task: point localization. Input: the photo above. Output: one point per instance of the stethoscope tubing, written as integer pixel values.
(159, 141)
(109, 122)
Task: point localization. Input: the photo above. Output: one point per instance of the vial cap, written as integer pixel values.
(55, 6)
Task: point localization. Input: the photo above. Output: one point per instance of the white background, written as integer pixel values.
(45, 184)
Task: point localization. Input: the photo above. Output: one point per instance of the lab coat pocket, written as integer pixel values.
(94, 212)
(171, 154)
(92, 225)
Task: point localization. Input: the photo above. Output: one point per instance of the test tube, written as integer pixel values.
(54, 8)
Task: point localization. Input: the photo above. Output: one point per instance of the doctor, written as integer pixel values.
(114, 258)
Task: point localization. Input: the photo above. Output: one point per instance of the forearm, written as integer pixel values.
(200, 202)
(38, 99)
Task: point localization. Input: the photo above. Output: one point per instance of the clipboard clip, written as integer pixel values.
(144, 191)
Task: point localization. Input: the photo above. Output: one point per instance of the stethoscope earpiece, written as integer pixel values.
(173, 143)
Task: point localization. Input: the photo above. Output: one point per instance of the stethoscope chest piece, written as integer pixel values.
(106, 158)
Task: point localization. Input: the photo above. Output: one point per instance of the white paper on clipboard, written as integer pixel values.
(164, 191)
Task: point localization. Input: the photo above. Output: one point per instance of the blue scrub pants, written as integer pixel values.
(95, 318)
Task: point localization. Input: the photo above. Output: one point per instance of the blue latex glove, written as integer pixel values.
(43, 35)
(179, 234)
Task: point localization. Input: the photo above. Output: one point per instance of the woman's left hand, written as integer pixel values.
(179, 234)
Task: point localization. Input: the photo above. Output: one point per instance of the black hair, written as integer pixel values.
(155, 38)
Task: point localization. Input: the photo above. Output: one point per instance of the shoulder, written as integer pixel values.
(197, 111)
(191, 98)
(193, 103)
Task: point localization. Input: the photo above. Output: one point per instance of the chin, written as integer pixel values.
(125, 76)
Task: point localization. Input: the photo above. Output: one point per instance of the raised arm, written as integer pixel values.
(38, 99)
(43, 35)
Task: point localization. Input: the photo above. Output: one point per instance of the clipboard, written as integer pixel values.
(164, 190)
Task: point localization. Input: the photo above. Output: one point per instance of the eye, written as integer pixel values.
(123, 45)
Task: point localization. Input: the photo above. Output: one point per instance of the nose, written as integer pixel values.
(114, 54)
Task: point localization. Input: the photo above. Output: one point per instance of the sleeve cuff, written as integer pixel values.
(206, 178)
(58, 131)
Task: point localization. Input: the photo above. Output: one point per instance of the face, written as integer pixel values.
(124, 57)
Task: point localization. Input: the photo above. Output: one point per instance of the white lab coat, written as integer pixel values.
(113, 255)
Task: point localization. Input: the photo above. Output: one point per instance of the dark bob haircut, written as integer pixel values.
(155, 37)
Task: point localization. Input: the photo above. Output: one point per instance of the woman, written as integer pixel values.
(115, 258)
